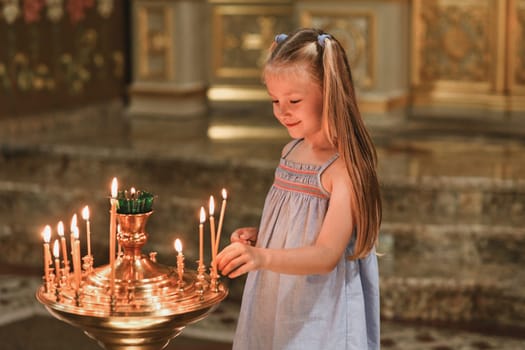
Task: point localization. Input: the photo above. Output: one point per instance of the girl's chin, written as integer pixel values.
(294, 134)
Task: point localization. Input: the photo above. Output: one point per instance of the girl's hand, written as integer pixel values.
(238, 258)
(244, 235)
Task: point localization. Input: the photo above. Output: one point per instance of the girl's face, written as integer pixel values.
(297, 101)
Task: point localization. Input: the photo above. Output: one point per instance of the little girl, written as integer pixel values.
(313, 276)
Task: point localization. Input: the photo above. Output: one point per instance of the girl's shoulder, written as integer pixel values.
(335, 175)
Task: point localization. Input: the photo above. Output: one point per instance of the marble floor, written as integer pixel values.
(26, 325)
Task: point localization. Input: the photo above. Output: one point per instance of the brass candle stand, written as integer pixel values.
(150, 303)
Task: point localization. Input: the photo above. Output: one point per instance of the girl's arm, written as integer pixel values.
(320, 257)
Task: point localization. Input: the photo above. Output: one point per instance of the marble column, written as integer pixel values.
(169, 87)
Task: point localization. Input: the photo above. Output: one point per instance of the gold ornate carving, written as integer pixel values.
(155, 44)
(519, 53)
(454, 43)
(241, 37)
(355, 30)
(468, 53)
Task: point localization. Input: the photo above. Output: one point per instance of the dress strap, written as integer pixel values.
(293, 144)
(322, 169)
(328, 163)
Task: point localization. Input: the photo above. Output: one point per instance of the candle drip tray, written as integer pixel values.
(150, 304)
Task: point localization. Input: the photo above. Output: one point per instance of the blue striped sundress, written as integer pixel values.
(334, 311)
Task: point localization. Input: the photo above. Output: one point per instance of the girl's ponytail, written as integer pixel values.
(346, 130)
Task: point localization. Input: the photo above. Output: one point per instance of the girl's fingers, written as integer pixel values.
(234, 260)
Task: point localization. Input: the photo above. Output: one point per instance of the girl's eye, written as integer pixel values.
(275, 101)
(295, 101)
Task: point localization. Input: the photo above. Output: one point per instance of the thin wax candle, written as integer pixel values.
(112, 232)
(201, 235)
(60, 230)
(212, 233)
(46, 235)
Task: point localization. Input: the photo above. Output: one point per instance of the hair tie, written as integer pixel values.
(279, 38)
(322, 37)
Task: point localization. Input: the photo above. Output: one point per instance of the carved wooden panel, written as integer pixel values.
(242, 35)
(454, 41)
(356, 32)
(155, 59)
(516, 29)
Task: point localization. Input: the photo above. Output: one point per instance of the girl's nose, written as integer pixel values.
(283, 109)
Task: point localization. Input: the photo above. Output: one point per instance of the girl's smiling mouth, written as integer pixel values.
(291, 124)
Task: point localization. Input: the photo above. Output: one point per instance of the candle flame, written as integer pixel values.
(202, 215)
(85, 213)
(75, 232)
(212, 206)
(178, 245)
(224, 194)
(132, 190)
(46, 234)
(118, 228)
(60, 229)
(56, 250)
(73, 222)
(114, 188)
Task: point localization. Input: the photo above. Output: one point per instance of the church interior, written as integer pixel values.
(166, 95)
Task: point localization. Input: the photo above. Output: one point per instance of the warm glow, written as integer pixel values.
(132, 191)
(114, 188)
(224, 194)
(85, 213)
(75, 232)
(46, 234)
(60, 229)
(56, 250)
(212, 206)
(118, 228)
(178, 246)
(203, 215)
(73, 222)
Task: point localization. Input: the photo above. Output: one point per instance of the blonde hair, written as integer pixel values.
(327, 63)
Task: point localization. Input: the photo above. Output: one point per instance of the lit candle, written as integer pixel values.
(112, 232)
(132, 191)
(212, 233)
(201, 235)
(56, 254)
(85, 216)
(71, 229)
(76, 256)
(221, 219)
(60, 230)
(180, 259)
(46, 235)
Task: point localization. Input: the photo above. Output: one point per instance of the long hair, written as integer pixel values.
(327, 63)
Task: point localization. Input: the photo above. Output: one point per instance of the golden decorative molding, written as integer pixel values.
(238, 93)
(516, 47)
(241, 36)
(356, 32)
(452, 40)
(367, 104)
(468, 53)
(155, 42)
